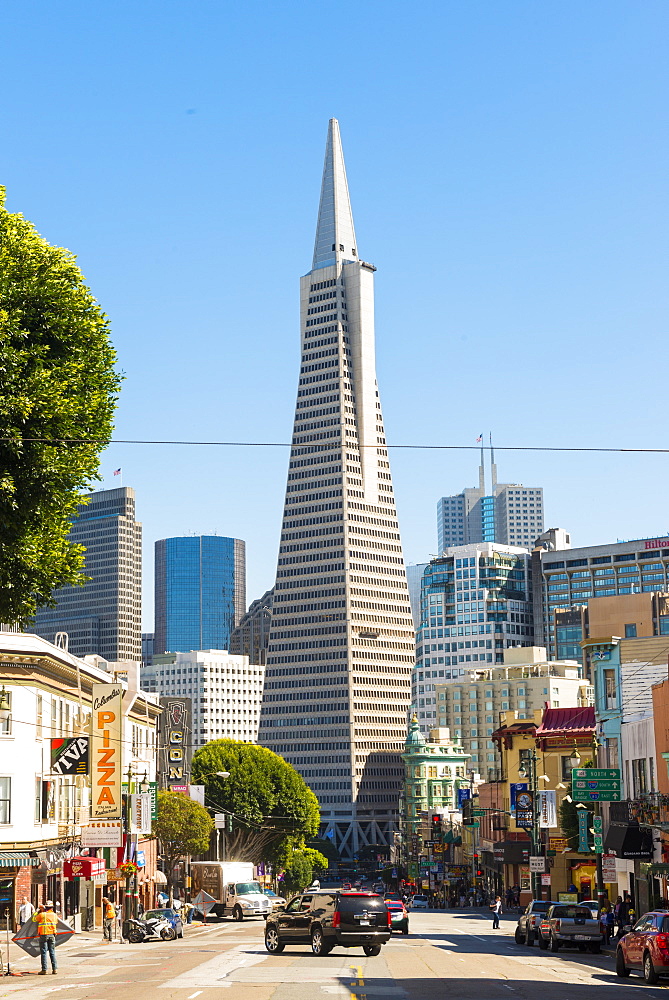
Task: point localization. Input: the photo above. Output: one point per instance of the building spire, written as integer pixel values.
(335, 235)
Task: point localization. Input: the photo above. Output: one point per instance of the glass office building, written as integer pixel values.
(200, 591)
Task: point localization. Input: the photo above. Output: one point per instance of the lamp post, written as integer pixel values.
(528, 769)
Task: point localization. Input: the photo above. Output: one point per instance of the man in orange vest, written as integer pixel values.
(108, 918)
(47, 925)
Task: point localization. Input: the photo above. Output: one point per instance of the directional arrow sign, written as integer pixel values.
(580, 783)
(594, 773)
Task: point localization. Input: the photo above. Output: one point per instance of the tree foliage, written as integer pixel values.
(297, 873)
(57, 382)
(183, 827)
(274, 811)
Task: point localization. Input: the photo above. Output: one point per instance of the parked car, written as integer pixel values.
(329, 919)
(645, 948)
(419, 903)
(399, 917)
(274, 899)
(527, 930)
(395, 896)
(570, 923)
(169, 914)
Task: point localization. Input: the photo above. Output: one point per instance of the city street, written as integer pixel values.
(452, 954)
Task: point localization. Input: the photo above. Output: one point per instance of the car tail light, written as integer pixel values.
(557, 925)
(662, 941)
(389, 918)
(336, 918)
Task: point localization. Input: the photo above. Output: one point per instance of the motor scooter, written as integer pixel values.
(154, 929)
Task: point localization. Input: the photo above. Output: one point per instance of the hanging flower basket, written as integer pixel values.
(128, 868)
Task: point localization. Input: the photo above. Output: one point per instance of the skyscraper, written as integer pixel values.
(200, 592)
(512, 514)
(104, 616)
(341, 643)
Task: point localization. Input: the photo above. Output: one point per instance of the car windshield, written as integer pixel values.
(540, 907)
(151, 914)
(419, 899)
(242, 888)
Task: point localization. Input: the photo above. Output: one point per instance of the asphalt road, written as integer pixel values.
(447, 954)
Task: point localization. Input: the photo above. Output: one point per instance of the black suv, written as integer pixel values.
(352, 919)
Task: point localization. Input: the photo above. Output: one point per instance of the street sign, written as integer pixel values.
(478, 812)
(609, 873)
(598, 838)
(537, 864)
(595, 773)
(596, 784)
(545, 880)
(219, 821)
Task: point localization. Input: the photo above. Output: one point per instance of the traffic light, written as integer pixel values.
(467, 818)
(436, 828)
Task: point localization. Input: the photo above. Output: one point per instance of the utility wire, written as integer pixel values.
(289, 444)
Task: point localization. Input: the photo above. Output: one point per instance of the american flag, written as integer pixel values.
(479, 440)
(117, 472)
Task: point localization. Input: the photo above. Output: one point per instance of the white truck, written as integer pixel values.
(233, 886)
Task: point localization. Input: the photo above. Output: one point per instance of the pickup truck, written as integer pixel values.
(527, 930)
(571, 924)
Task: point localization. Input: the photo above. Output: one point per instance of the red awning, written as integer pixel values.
(572, 721)
(83, 867)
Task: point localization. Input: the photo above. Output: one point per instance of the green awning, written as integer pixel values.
(16, 859)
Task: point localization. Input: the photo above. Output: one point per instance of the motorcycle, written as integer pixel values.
(155, 929)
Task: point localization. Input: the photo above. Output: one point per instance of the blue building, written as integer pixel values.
(200, 592)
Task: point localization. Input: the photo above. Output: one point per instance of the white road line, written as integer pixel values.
(193, 995)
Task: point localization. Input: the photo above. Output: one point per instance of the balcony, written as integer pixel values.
(649, 809)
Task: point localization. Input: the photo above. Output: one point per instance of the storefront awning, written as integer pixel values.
(15, 859)
(159, 878)
(629, 841)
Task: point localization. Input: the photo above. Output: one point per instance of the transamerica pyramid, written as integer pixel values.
(341, 647)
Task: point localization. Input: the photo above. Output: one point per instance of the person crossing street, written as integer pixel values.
(496, 910)
(47, 925)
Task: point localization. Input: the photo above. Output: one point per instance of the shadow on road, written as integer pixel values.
(608, 987)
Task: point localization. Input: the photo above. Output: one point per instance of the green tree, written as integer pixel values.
(297, 873)
(58, 390)
(273, 810)
(183, 827)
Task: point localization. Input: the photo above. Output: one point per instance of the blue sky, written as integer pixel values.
(508, 171)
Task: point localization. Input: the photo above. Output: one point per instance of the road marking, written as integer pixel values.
(193, 995)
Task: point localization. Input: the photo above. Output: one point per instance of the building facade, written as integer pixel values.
(341, 646)
(226, 691)
(476, 602)
(511, 513)
(251, 637)
(104, 616)
(44, 808)
(200, 592)
(472, 705)
(567, 580)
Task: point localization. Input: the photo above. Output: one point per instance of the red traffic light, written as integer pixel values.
(436, 819)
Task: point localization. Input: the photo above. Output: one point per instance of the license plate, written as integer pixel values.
(364, 923)
(581, 937)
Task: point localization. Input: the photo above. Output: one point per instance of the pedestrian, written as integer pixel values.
(26, 910)
(189, 910)
(47, 925)
(108, 918)
(509, 897)
(609, 922)
(496, 910)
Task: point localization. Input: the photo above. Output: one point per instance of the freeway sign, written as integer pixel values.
(595, 773)
(596, 784)
(582, 783)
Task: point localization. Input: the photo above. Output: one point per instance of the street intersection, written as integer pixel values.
(454, 954)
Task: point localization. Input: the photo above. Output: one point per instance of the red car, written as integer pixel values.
(646, 947)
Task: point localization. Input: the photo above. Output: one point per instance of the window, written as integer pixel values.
(38, 800)
(5, 800)
(630, 631)
(6, 725)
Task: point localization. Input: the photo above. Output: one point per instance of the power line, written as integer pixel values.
(287, 444)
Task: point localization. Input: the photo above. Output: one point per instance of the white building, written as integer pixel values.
(42, 812)
(341, 646)
(226, 691)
